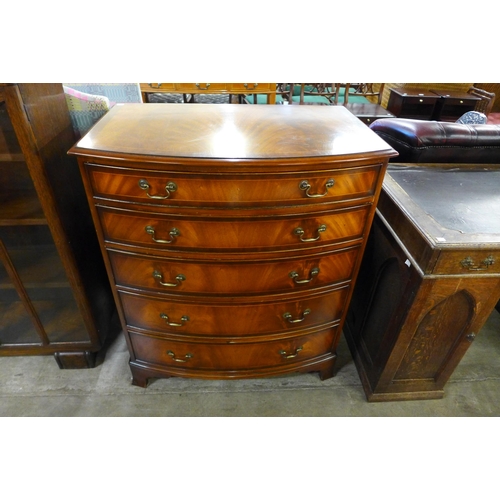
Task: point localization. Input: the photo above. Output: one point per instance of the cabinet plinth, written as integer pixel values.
(232, 234)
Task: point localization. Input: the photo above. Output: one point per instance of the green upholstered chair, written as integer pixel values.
(363, 93)
(364, 101)
(314, 93)
(262, 98)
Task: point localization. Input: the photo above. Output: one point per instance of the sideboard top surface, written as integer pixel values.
(226, 131)
(449, 206)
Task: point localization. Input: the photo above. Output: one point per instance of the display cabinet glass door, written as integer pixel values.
(37, 305)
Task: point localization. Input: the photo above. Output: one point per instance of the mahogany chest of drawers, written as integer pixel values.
(232, 234)
(429, 279)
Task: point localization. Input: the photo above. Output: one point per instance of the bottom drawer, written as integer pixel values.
(241, 356)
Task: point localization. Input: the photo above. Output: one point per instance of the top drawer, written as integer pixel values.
(208, 87)
(183, 87)
(177, 189)
(471, 262)
(252, 87)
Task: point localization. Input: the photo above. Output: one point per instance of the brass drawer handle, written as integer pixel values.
(169, 188)
(188, 356)
(294, 275)
(159, 277)
(300, 232)
(173, 233)
(255, 85)
(158, 85)
(468, 263)
(202, 88)
(305, 186)
(288, 316)
(166, 318)
(294, 355)
(470, 337)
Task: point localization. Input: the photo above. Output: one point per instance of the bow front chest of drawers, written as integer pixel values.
(232, 234)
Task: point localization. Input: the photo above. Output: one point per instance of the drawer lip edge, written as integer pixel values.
(236, 339)
(162, 370)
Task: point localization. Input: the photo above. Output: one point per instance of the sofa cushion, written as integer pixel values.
(439, 142)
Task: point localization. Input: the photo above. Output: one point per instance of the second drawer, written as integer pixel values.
(165, 232)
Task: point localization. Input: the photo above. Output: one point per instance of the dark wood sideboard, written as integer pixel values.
(232, 235)
(430, 104)
(430, 278)
(54, 295)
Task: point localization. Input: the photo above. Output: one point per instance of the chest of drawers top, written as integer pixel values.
(230, 132)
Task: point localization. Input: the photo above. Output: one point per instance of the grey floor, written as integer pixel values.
(35, 386)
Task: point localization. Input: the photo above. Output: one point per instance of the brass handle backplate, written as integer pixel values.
(294, 355)
(468, 263)
(169, 188)
(173, 233)
(157, 86)
(300, 232)
(159, 279)
(290, 319)
(246, 85)
(202, 88)
(167, 320)
(305, 186)
(188, 356)
(313, 273)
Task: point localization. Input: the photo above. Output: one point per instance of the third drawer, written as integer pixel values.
(165, 275)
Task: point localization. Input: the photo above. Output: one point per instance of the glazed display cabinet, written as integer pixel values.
(54, 296)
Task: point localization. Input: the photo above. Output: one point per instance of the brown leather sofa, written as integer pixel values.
(421, 141)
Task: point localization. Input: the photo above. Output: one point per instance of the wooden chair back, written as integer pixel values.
(366, 90)
(486, 102)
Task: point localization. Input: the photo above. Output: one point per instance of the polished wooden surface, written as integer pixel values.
(430, 276)
(368, 112)
(276, 188)
(232, 234)
(281, 274)
(230, 132)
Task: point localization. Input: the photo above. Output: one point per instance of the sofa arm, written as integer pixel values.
(421, 141)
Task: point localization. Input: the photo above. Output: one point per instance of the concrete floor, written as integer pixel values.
(35, 386)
